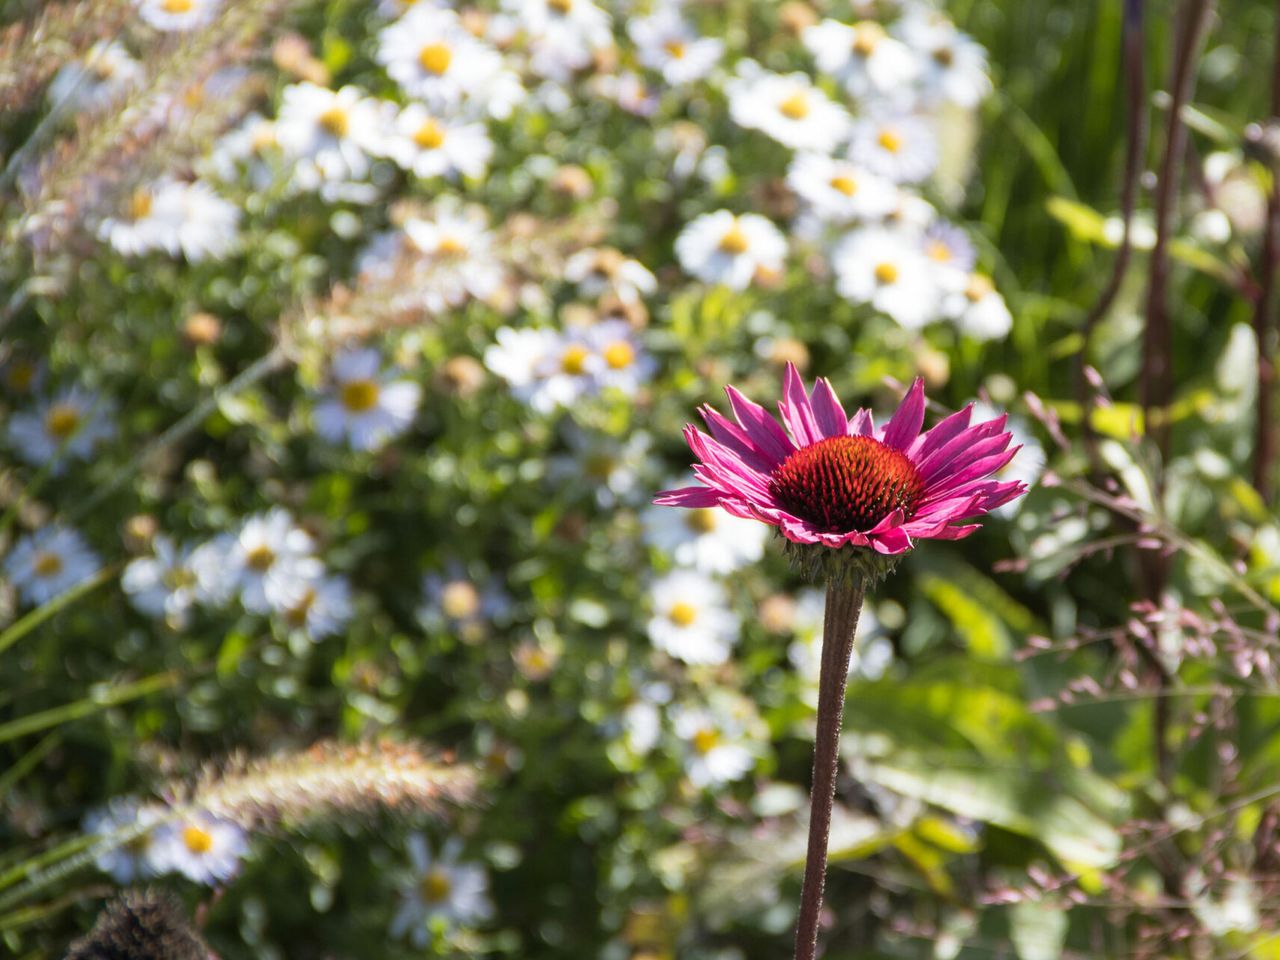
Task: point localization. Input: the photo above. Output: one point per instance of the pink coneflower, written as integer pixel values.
(850, 499)
(833, 480)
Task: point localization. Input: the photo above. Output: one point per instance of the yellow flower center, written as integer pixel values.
(260, 558)
(701, 520)
(140, 204)
(979, 286)
(619, 355)
(459, 600)
(47, 564)
(177, 6)
(264, 137)
(436, 886)
(676, 48)
(429, 136)
(796, 106)
(845, 184)
(197, 839)
(886, 273)
(706, 740)
(335, 122)
(734, 241)
(574, 360)
(890, 140)
(359, 396)
(62, 421)
(944, 56)
(560, 6)
(866, 37)
(450, 246)
(939, 251)
(682, 614)
(435, 58)
(297, 616)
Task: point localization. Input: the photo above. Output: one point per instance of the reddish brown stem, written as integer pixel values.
(1157, 345)
(1264, 317)
(844, 604)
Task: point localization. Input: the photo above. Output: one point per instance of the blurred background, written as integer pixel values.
(344, 345)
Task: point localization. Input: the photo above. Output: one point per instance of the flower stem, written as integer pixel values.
(844, 604)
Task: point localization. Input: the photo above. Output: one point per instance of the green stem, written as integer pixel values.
(844, 604)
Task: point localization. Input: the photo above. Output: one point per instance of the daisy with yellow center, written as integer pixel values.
(716, 751)
(790, 109)
(838, 191)
(366, 407)
(722, 247)
(178, 15)
(436, 58)
(862, 57)
(901, 148)
(442, 888)
(204, 849)
(692, 621)
(272, 561)
(69, 425)
(665, 42)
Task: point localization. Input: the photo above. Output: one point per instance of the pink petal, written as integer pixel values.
(827, 410)
(688, 497)
(862, 424)
(737, 440)
(959, 453)
(978, 470)
(760, 426)
(940, 434)
(890, 542)
(905, 425)
(796, 411)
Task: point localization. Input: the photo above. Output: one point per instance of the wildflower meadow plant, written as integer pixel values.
(850, 499)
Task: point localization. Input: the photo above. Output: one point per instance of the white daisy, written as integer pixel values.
(691, 618)
(245, 152)
(901, 147)
(564, 35)
(207, 225)
(141, 225)
(722, 248)
(203, 848)
(608, 469)
(324, 609)
(518, 357)
(330, 134)
(459, 258)
(978, 309)
(714, 749)
(216, 578)
(130, 861)
(48, 563)
(954, 66)
(790, 109)
(69, 425)
(435, 146)
(177, 15)
(103, 75)
(666, 43)
(709, 541)
(863, 58)
(274, 562)
(456, 602)
(603, 270)
(888, 271)
(440, 888)
(163, 585)
(617, 360)
(838, 190)
(434, 58)
(367, 406)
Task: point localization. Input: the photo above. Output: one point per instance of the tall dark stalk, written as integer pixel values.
(1157, 343)
(1133, 63)
(1264, 315)
(844, 604)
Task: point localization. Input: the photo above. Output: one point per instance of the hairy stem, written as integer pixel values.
(1264, 318)
(844, 604)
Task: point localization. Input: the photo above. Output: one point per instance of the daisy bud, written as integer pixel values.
(462, 376)
(796, 17)
(202, 329)
(573, 182)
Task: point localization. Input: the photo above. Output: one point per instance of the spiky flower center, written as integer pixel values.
(842, 484)
(197, 839)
